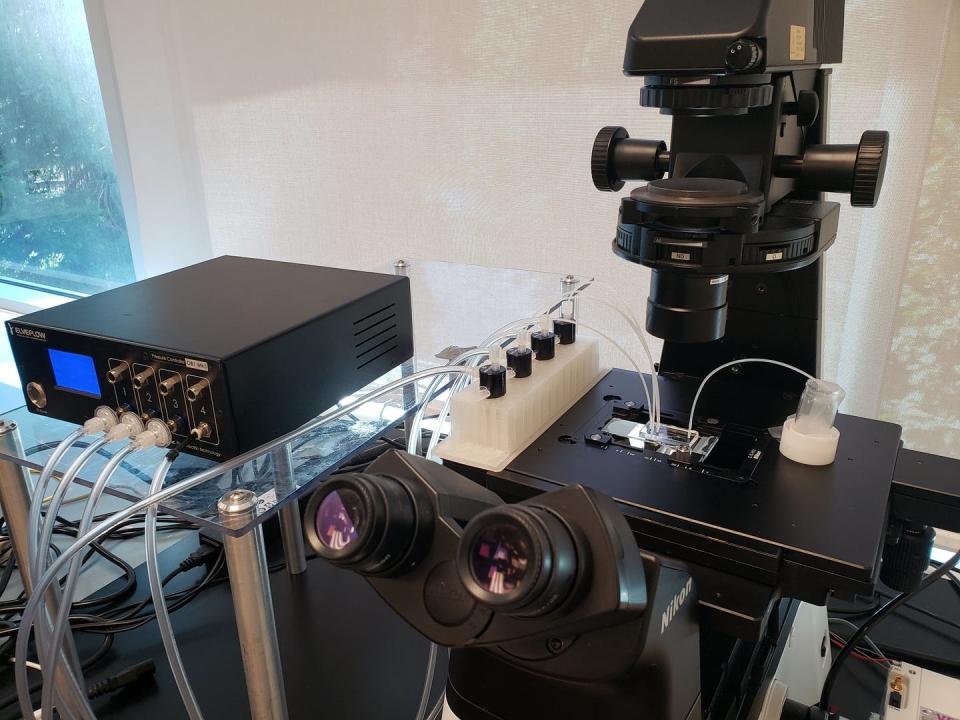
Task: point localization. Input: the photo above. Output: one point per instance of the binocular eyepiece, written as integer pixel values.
(373, 524)
(511, 559)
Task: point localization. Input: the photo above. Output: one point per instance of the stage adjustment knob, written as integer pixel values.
(869, 168)
(743, 55)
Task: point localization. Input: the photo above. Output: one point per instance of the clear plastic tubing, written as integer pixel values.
(63, 614)
(638, 331)
(34, 603)
(50, 521)
(160, 602)
(818, 407)
(427, 683)
(696, 397)
(40, 491)
(428, 396)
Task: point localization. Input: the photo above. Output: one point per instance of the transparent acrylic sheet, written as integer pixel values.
(312, 454)
(459, 305)
(453, 305)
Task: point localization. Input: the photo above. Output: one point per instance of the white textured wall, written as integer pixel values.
(351, 133)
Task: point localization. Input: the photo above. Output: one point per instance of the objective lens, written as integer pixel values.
(339, 515)
(687, 308)
(499, 558)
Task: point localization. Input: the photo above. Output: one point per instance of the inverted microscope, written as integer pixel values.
(602, 544)
(650, 559)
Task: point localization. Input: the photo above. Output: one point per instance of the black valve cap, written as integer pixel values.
(544, 345)
(566, 330)
(520, 360)
(494, 379)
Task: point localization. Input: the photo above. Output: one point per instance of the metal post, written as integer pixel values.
(15, 502)
(400, 267)
(291, 527)
(253, 607)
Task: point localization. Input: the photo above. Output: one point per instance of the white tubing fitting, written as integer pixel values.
(103, 419)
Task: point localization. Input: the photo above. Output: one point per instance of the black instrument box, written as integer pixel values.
(254, 348)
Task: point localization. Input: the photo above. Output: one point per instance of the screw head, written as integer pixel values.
(237, 501)
(596, 437)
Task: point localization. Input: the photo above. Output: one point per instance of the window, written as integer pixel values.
(62, 226)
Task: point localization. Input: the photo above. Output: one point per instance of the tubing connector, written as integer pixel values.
(103, 419)
(156, 434)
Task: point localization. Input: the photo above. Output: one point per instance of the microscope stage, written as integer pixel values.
(785, 530)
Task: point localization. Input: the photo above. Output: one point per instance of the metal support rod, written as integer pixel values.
(291, 526)
(15, 502)
(253, 607)
(400, 267)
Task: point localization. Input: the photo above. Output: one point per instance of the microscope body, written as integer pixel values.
(666, 589)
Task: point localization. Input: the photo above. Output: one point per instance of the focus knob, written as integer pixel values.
(601, 161)
(617, 157)
(869, 168)
(742, 55)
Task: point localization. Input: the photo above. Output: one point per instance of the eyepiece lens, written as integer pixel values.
(338, 518)
(500, 557)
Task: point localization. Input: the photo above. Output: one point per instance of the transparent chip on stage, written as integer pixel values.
(500, 557)
(338, 517)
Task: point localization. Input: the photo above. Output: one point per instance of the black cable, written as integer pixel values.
(924, 611)
(100, 653)
(871, 622)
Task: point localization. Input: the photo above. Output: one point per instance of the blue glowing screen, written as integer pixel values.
(72, 371)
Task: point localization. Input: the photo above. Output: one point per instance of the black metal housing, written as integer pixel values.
(265, 345)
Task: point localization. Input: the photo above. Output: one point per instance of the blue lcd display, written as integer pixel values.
(72, 371)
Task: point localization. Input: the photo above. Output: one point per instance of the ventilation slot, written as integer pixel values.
(375, 335)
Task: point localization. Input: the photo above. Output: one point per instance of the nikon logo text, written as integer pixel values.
(678, 600)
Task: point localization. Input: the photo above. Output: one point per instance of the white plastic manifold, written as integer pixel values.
(488, 433)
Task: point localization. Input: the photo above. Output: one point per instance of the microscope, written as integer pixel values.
(599, 575)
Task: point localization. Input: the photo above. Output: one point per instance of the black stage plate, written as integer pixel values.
(798, 531)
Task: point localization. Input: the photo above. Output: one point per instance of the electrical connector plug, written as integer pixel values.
(103, 419)
(156, 434)
(131, 675)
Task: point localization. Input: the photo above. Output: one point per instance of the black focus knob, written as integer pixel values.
(854, 169)
(617, 157)
(869, 168)
(743, 55)
(601, 161)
